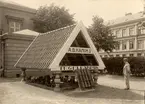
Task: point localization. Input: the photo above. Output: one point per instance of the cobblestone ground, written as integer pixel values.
(109, 91)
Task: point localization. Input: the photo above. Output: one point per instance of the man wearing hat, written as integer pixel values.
(126, 73)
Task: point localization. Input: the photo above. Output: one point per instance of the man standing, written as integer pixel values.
(126, 72)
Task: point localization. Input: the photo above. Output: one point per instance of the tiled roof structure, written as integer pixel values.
(44, 49)
(14, 5)
(127, 18)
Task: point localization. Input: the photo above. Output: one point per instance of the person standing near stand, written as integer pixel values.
(126, 73)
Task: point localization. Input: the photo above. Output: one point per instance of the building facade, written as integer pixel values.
(129, 31)
(14, 17)
(13, 46)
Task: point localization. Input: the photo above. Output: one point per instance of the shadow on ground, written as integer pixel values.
(4, 80)
(106, 92)
(132, 78)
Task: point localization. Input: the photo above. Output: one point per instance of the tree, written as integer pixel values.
(52, 17)
(101, 35)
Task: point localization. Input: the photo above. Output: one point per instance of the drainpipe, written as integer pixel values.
(2, 54)
(2, 43)
(3, 58)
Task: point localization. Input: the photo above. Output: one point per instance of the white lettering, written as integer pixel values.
(66, 68)
(79, 50)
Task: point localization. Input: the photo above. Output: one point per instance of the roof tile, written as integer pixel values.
(44, 48)
(128, 18)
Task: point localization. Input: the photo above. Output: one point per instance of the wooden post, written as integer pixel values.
(23, 74)
(57, 81)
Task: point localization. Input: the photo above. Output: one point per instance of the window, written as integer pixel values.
(113, 33)
(131, 31)
(131, 55)
(131, 44)
(117, 55)
(14, 26)
(142, 30)
(111, 56)
(138, 54)
(118, 46)
(124, 55)
(17, 75)
(14, 23)
(118, 33)
(124, 33)
(140, 44)
(124, 45)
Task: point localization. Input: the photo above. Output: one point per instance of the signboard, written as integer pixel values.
(73, 68)
(79, 50)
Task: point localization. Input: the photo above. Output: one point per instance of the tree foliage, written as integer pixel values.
(101, 35)
(52, 17)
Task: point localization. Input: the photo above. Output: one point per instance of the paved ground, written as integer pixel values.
(109, 91)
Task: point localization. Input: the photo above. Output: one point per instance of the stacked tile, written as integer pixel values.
(85, 80)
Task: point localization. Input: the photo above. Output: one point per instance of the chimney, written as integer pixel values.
(144, 8)
(128, 14)
(143, 1)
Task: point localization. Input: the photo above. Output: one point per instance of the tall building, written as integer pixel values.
(15, 17)
(129, 31)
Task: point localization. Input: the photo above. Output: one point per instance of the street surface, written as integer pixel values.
(109, 91)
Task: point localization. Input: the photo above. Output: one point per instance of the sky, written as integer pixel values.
(85, 9)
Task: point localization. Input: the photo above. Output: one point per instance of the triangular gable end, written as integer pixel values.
(79, 28)
(80, 41)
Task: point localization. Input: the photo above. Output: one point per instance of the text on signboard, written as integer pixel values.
(79, 50)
